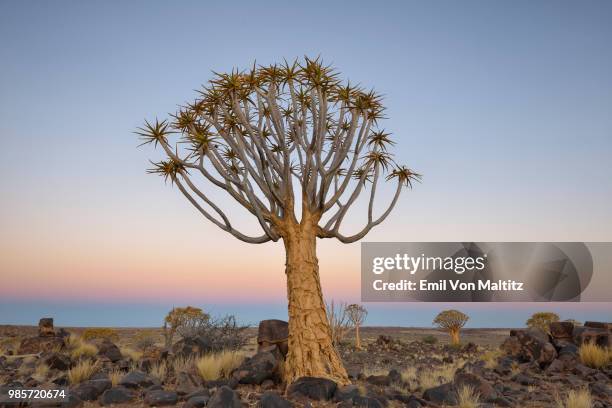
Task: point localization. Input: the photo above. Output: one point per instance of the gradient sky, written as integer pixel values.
(505, 107)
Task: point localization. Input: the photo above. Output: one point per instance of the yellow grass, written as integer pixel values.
(159, 370)
(490, 358)
(130, 353)
(437, 376)
(41, 372)
(467, 397)
(218, 365)
(82, 371)
(576, 399)
(115, 375)
(594, 356)
(183, 364)
(84, 350)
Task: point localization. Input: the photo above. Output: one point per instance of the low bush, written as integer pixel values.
(430, 339)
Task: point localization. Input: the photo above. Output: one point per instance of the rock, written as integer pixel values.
(442, 394)
(367, 402)
(312, 387)
(479, 385)
(380, 380)
(192, 346)
(116, 395)
(91, 390)
(273, 333)
(524, 379)
(470, 348)
(529, 345)
(592, 335)
(160, 398)
(583, 371)
(346, 393)
(561, 330)
(35, 345)
(262, 366)
(272, 400)
(570, 349)
(599, 325)
(57, 361)
(196, 402)
(267, 385)
(45, 327)
(225, 397)
(187, 383)
(137, 379)
(556, 366)
(354, 371)
(109, 350)
(601, 389)
(395, 376)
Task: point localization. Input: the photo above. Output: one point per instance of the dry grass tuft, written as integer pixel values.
(159, 371)
(575, 399)
(41, 372)
(183, 364)
(594, 356)
(131, 354)
(218, 365)
(467, 397)
(84, 350)
(82, 371)
(437, 376)
(490, 358)
(115, 375)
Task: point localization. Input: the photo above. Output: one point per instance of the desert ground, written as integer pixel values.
(395, 367)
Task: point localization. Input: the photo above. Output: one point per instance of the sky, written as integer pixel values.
(504, 107)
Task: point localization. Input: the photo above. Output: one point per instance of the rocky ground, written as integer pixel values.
(396, 367)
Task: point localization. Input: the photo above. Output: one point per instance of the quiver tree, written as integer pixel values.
(356, 314)
(452, 321)
(296, 148)
(542, 321)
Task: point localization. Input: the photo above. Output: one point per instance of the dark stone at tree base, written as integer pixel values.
(273, 332)
(346, 393)
(225, 397)
(57, 361)
(91, 390)
(380, 380)
(116, 395)
(196, 402)
(442, 394)
(367, 402)
(137, 379)
(262, 366)
(160, 398)
(271, 399)
(312, 387)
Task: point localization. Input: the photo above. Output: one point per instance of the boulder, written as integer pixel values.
(187, 383)
(478, 384)
(320, 389)
(442, 394)
(137, 379)
(254, 370)
(592, 335)
(346, 393)
(562, 330)
(599, 325)
(160, 398)
(368, 402)
(271, 399)
(108, 349)
(529, 345)
(45, 327)
(91, 390)
(57, 361)
(117, 395)
(225, 397)
(35, 345)
(273, 332)
(197, 402)
(192, 346)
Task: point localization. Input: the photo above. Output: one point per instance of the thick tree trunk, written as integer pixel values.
(311, 352)
(357, 338)
(455, 336)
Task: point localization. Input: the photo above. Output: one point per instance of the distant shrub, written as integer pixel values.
(82, 371)
(594, 356)
(542, 321)
(100, 333)
(430, 339)
(183, 321)
(218, 365)
(144, 340)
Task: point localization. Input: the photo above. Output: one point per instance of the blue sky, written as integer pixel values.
(503, 106)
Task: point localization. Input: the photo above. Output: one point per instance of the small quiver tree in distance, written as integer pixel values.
(295, 147)
(452, 321)
(181, 320)
(356, 314)
(542, 321)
